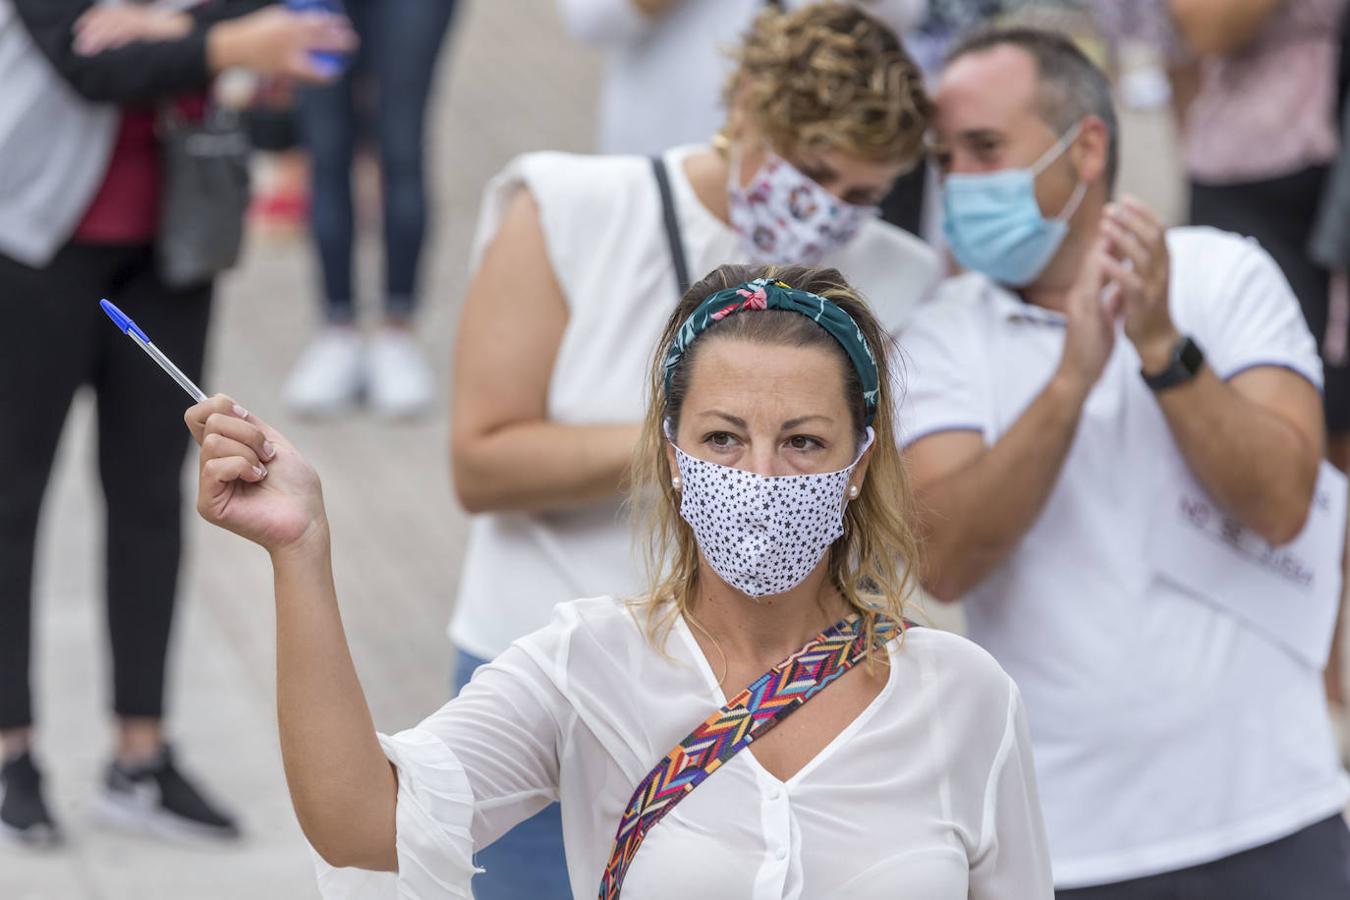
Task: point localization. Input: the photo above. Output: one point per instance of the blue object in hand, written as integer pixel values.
(330, 64)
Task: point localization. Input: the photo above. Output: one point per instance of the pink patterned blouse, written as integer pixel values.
(1269, 109)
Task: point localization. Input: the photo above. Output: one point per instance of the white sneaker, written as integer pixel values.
(400, 380)
(329, 375)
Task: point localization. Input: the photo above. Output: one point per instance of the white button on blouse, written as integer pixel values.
(928, 793)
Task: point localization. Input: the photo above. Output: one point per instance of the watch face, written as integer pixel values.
(1191, 357)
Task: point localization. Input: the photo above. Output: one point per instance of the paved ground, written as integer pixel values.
(511, 83)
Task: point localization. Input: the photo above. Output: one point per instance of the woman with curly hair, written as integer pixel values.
(779, 532)
(578, 261)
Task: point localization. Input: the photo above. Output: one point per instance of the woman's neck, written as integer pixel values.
(761, 633)
(707, 170)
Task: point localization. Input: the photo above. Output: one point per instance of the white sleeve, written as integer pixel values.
(1012, 861)
(604, 23)
(482, 763)
(939, 376)
(1253, 318)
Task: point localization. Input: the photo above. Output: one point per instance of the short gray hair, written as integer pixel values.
(1071, 86)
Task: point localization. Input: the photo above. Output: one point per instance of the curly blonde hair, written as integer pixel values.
(874, 564)
(830, 75)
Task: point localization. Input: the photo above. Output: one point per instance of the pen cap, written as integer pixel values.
(123, 321)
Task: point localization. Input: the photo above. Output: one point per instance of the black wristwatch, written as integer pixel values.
(1187, 358)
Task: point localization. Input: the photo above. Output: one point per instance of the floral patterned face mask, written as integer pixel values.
(762, 534)
(784, 217)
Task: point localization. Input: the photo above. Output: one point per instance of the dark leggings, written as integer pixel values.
(400, 41)
(1311, 864)
(57, 339)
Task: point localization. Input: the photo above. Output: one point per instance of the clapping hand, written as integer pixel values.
(1137, 263)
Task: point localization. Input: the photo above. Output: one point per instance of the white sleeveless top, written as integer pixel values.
(601, 218)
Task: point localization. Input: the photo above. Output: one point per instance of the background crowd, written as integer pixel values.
(1253, 89)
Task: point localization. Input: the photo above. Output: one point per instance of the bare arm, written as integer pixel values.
(506, 454)
(342, 786)
(977, 502)
(1220, 27)
(1255, 442)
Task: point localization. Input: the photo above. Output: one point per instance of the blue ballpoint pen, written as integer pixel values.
(133, 331)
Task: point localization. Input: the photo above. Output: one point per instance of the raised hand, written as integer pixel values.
(1138, 262)
(252, 481)
(1090, 329)
(276, 41)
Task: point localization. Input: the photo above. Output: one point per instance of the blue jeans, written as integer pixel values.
(400, 40)
(526, 863)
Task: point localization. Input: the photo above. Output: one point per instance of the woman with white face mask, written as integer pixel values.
(826, 109)
(778, 523)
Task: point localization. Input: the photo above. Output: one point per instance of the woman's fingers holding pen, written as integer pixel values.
(223, 415)
(252, 480)
(233, 436)
(198, 414)
(217, 446)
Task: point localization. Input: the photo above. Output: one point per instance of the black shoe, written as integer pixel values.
(158, 799)
(24, 818)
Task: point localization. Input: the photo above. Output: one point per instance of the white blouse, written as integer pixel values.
(928, 794)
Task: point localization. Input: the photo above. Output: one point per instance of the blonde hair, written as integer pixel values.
(830, 76)
(873, 565)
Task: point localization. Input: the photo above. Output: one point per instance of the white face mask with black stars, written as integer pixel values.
(762, 534)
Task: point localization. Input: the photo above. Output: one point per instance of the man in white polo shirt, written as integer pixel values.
(1109, 426)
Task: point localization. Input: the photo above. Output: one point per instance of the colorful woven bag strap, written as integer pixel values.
(749, 715)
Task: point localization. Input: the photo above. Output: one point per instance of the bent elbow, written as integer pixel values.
(347, 857)
(1289, 519)
(475, 503)
(335, 856)
(350, 848)
(944, 590)
(468, 489)
(472, 481)
(943, 582)
(1287, 526)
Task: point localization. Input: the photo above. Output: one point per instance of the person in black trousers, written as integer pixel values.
(129, 60)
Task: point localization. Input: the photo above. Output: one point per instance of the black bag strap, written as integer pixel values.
(672, 225)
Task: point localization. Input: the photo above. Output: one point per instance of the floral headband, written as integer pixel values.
(766, 293)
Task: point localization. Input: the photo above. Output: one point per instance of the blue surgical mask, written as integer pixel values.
(994, 225)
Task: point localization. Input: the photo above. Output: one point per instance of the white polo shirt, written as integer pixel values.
(1167, 733)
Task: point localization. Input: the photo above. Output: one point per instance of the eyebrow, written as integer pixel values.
(790, 423)
(980, 134)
